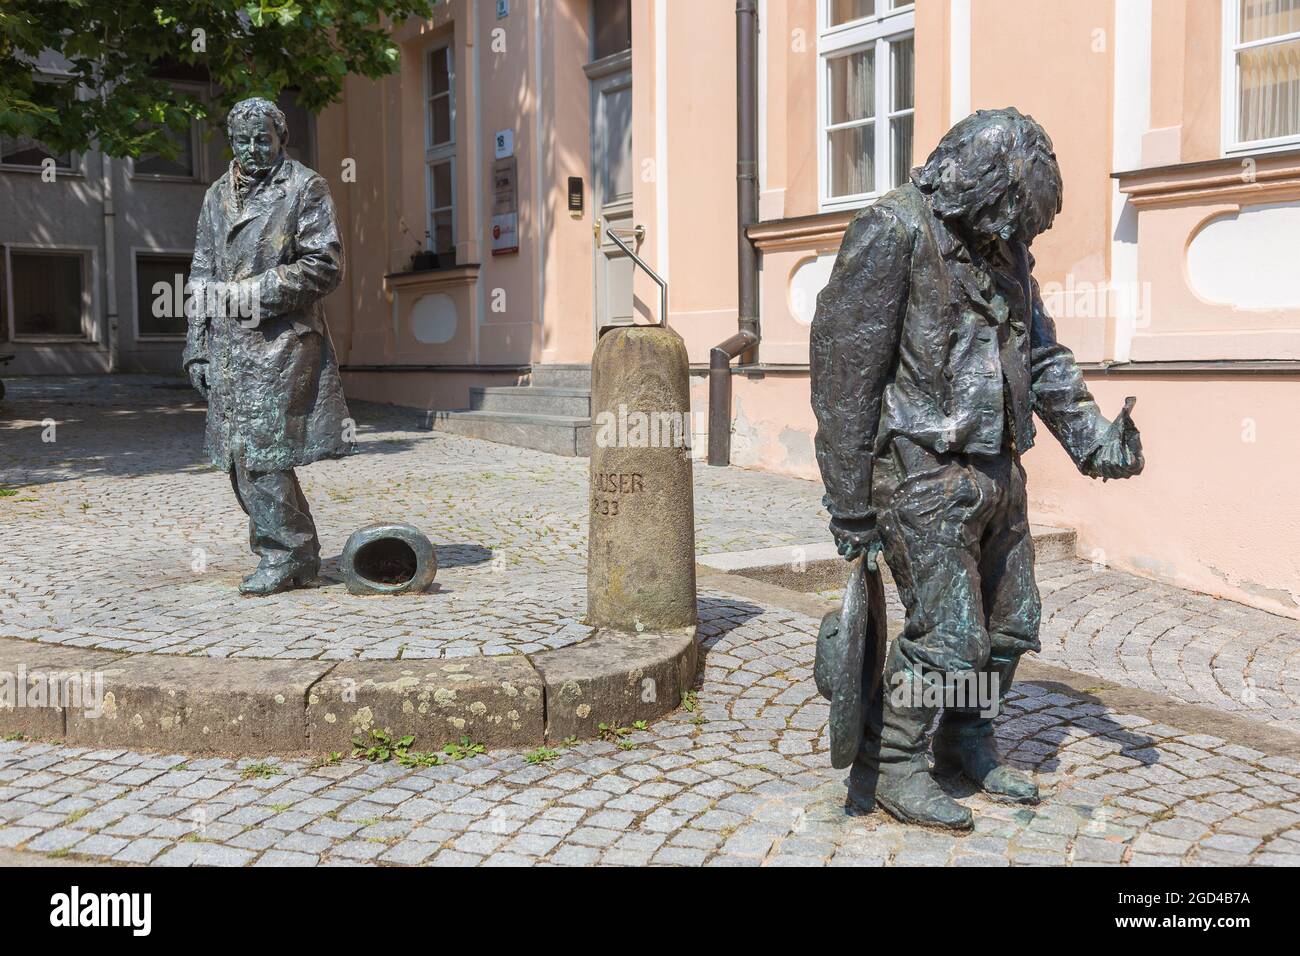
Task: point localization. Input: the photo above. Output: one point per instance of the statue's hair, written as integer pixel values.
(254, 107)
(995, 171)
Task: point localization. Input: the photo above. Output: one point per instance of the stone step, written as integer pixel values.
(818, 567)
(561, 375)
(558, 434)
(533, 400)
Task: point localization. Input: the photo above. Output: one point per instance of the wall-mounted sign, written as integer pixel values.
(505, 206)
(503, 9)
(505, 234)
(505, 143)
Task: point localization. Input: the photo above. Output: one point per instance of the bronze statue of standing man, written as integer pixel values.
(930, 353)
(266, 253)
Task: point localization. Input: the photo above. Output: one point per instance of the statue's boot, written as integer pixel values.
(964, 743)
(272, 579)
(896, 776)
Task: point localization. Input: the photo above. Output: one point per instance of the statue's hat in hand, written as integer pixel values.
(851, 659)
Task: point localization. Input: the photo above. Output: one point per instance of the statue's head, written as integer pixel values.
(258, 134)
(996, 173)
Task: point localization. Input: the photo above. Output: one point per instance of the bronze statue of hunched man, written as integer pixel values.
(930, 352)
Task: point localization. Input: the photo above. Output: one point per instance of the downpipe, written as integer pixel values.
(744, 342)
(720, 394)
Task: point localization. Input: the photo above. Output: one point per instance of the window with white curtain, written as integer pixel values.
(440, 148)
(1261, 104)
(865, 97)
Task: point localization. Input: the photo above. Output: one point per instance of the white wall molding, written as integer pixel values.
(959, 39)
(1131, 99)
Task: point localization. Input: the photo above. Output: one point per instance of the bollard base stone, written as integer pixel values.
(616, 678)
(252, 707)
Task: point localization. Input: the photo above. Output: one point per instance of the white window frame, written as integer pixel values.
(436, 154)
(877, 31)
(1229, 81)
(136, 253)
(89, 276)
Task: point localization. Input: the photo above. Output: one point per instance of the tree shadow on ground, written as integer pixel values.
(134, 428)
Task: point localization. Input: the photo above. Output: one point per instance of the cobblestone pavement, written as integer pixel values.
(112, 518)
(741, 780)
(1163, 639)
(122, 498)
(122, 538)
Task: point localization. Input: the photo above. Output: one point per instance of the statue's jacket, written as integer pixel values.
(275, 395)
(914, 337)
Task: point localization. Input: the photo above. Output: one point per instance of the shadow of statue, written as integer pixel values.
(1047, 740)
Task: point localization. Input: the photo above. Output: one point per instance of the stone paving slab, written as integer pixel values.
(496, 701)
(24, 663)
(197, 704)
(273, 706)
(615, 679)
(818, 566)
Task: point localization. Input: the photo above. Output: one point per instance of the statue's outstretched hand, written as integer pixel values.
(1120, 453)
(855, 536)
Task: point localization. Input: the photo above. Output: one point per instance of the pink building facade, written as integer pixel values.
(513, 129)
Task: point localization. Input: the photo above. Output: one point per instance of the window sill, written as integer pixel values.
(1194, 367)
(1248, 150)
(59, 171)
(824, 229)
(1214, 181)
(164, 178)
(431, 280)
(39, 340)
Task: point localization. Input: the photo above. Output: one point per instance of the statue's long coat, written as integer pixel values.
(275, 396)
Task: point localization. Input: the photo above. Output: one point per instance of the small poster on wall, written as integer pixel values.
(505, 206)
(505, 233)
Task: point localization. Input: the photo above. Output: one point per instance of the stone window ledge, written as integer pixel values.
(1243, 179)
(823, 230)
(431, 280)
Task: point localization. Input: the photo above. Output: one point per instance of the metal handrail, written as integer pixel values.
(663, 286)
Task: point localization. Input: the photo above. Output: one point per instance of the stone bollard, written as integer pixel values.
(641, 547)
